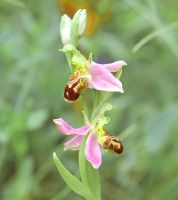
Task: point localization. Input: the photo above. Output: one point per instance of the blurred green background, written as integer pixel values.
(32, 77)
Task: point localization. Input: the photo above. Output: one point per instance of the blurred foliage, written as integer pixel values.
(33, 74)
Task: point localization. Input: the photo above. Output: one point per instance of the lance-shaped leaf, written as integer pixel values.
(75, 185)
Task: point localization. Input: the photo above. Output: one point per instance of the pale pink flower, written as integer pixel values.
(97, 76)
(92, 150)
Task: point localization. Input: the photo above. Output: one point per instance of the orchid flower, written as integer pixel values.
(97, 76)
(97, 138)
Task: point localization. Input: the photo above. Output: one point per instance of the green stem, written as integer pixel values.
(100, 105)
(84, 104)
(96, 98)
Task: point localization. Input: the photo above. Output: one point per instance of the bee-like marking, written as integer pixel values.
(113, 144)
(70, 95)
(77, 82)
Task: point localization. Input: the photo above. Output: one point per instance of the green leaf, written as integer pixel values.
(153, 35)
(89, 175)
(75, 185)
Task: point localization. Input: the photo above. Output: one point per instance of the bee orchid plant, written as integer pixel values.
(90, 138)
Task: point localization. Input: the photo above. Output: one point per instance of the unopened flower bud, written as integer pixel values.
(78, 25)
(82, 22)
(65, 29)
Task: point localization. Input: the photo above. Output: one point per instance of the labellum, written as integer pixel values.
(77, 82)
(112, 143)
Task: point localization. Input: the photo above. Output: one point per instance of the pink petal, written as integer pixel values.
(66, 129)
(74, 143)
(92, 151)
(104, 80)
(112, 67)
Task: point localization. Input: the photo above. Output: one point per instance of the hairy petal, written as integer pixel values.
(92, 151)
(104, 80)
(74, 143)
(66, 129)
(112, 67)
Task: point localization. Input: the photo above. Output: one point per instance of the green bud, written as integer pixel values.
(78, 25)
(82, 22)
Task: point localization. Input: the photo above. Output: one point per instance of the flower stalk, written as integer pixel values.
(90, 138)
